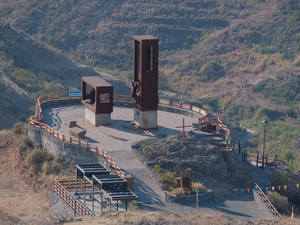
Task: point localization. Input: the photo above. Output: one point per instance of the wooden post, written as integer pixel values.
(197, 199)
(183, 126)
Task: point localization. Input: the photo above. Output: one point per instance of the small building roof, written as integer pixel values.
(96, 81)
(144, 37)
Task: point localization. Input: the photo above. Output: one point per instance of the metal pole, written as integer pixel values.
(93, 195)
(75, 205)
(101, 201)
(197, 199)
(75, 192)
(84, 190)
(263, 153)
(110, 205)
(76, 178)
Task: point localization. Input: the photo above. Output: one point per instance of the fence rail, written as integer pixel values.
(35, 122)
(79, 208)
(267, 201)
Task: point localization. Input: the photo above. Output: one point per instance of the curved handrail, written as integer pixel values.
(35, 122)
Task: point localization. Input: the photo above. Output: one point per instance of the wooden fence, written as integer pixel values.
(267, 201)
(35, 122)
(79, 208)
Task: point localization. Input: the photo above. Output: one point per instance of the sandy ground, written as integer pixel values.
(19, 202)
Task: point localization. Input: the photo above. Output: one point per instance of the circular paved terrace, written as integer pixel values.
(116, 139)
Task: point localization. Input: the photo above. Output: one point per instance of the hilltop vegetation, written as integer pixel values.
(237, 59)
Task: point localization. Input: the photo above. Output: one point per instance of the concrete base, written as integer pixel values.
(97, 119)
(145, 119)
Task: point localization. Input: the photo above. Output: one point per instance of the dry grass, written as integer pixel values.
(167, 218)
(199, 186)
(6, 138)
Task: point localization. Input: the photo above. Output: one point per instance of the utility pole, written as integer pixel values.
(263, 153)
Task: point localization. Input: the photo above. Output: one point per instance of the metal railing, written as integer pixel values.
(78, 207)
(267, 201)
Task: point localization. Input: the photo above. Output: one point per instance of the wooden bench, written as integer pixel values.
(77, 132)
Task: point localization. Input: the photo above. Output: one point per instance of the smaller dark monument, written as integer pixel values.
(97, 97)
(185, 180)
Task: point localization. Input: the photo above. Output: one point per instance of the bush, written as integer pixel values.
(19, 128)
(45, 169)
(178, 192)
(278, 178)
(37, 157)
(5, 138)
(281, 203)
(158, 168)
(198, 186)
(168, 178)
(149, 152)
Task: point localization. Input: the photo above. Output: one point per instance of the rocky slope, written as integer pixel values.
(217, 170)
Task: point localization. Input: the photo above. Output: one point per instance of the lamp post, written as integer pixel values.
(263, 153)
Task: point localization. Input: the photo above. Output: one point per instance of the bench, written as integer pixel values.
(77, 132)
(70, 123)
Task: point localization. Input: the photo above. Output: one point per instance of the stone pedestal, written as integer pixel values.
(145, 119)
(97, 119)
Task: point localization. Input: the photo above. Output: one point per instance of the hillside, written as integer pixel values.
(222, 54)
(238, 60)
(29, 69)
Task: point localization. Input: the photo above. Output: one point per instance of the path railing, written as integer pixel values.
(35, 122)
(79, 208)
(267, 201)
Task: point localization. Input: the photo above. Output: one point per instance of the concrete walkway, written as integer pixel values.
(116, 139)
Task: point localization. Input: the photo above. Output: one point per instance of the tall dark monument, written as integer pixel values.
(145, 81)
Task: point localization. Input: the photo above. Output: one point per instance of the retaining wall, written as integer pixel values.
(262, 205)
(190, 198)
(78, 153)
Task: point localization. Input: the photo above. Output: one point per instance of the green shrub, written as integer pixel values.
(158, 168)
(37, 157)
(278, 178)
(168, 179)
(149, 152)
(178, 192)
(281, 203)
(24, 78)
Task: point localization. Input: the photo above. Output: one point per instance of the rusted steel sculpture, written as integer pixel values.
(145, 81)
(97, 97)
